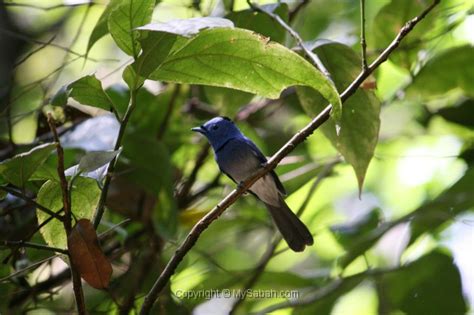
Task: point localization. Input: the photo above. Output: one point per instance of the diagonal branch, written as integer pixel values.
(298, 138)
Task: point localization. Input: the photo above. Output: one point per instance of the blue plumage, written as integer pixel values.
(238, 157)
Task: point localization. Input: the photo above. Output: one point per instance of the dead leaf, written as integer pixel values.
(87, 256)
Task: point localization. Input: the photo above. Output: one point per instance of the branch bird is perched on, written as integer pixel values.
(238, 157)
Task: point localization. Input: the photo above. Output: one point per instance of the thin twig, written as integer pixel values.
(76, 277)
(110, 169)
(270, 253)
(34, 51)
(363, 43)
(298, 138)
(31, 202)
(36, 41)
(293, 13)
(33, 245)
(312, 56)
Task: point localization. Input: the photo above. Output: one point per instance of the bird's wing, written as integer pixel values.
(256, 151)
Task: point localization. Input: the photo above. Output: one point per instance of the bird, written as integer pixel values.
(238, 157)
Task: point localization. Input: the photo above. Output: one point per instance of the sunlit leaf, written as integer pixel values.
(84, 198)
(88, 91)
(19, 168)
(102, 28)
(360, 121)
(234, 58)
(87, 256)
(125, 18)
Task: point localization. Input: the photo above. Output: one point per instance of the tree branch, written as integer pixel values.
(76, 277)
(298, 138)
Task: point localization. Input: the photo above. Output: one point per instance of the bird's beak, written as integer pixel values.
(198, 129)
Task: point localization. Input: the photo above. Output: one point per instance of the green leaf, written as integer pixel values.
(262, 23)
(84, 198)
(150, 168)
(88, 91)
(429, 285)
(350, 234)
(101, 28)
(450, 203)
(391, 18)
(445, 72)
(93, 160)
(360, 120)
(61, 96)
(19, 168)
(459, 114)
(125, 18)
(238, 59)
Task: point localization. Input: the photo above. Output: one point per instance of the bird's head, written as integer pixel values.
(218, 130)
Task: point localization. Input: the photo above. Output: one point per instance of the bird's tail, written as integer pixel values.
(295, 233)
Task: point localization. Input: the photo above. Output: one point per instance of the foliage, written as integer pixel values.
(126, 81)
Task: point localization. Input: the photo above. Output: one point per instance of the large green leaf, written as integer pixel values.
(232, 58)
(125, 18)
(445, 72)
(84, 198)
(102, 28)
(429, 285)
(450, 203)
(19, 168)
(360, 121)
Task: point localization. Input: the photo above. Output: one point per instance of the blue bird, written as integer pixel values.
(238, 157)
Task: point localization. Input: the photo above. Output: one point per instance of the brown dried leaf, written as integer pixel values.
(87, 256)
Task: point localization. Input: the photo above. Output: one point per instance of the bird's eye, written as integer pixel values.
(215, 127)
